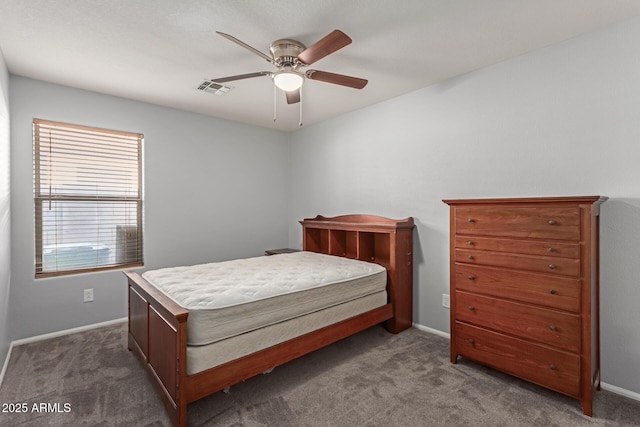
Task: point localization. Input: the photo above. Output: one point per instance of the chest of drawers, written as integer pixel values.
(524, 289)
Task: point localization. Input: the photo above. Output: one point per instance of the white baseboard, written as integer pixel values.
(54, 335)
(603, 385)
(68, 331)
(432, 331)
(621, 391)
(6, 363)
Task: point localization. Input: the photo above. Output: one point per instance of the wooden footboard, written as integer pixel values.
(158, 335)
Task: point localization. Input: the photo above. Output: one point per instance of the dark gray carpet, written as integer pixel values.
(371, 379)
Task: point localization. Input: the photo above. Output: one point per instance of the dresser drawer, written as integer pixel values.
(540, 264)
(556, 223)
(528, 247)
(562, 293)
(539, 364)
(538, 324)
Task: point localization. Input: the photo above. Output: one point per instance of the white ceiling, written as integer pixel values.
(159, 51)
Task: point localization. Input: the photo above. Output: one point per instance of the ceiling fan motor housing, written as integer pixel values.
(286, 51)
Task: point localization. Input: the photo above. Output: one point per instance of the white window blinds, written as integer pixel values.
(88, 198)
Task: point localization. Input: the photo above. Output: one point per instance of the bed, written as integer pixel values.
(196, 339)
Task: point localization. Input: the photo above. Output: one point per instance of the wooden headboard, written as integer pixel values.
(385, 241)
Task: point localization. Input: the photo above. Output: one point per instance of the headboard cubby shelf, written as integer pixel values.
(344, 236)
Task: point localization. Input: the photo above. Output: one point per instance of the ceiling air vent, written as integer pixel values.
(213, 87)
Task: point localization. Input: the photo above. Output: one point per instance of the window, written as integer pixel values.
(88, 198)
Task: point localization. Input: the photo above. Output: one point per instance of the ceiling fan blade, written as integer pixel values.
(246, 46)
(337, 79)
(327, 45)
(293, 97)
(242, 76)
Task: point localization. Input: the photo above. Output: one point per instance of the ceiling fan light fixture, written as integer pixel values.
(288, 80)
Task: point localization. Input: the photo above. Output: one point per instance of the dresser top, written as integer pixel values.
(529, 200)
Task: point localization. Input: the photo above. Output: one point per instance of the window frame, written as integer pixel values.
(40, 198)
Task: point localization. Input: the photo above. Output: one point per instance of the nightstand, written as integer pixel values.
(280, 251)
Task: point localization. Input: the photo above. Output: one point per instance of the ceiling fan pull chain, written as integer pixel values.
(274, 104)
(300, 123)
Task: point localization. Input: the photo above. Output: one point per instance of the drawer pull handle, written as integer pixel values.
(472, 308)
(470, 257)
(553, 367)
(471, 277)
(552, 266)
(552, 250)
(470, 243)
(553, 292)
(552, 222)
(471, 220)
(471, 341)
(553, 328)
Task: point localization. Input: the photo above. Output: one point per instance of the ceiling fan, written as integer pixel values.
(290, 56)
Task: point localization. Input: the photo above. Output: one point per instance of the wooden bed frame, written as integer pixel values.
(158, 326)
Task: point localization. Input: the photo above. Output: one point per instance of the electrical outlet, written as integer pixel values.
(445, 300)
(88, 295)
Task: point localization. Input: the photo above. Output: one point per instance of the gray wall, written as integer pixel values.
(559, 121)
(214, 190)
(5, 223)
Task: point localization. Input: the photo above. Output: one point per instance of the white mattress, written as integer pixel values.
(201, 358)
(234, 297)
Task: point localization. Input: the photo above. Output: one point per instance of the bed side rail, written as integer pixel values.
(215, 379)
